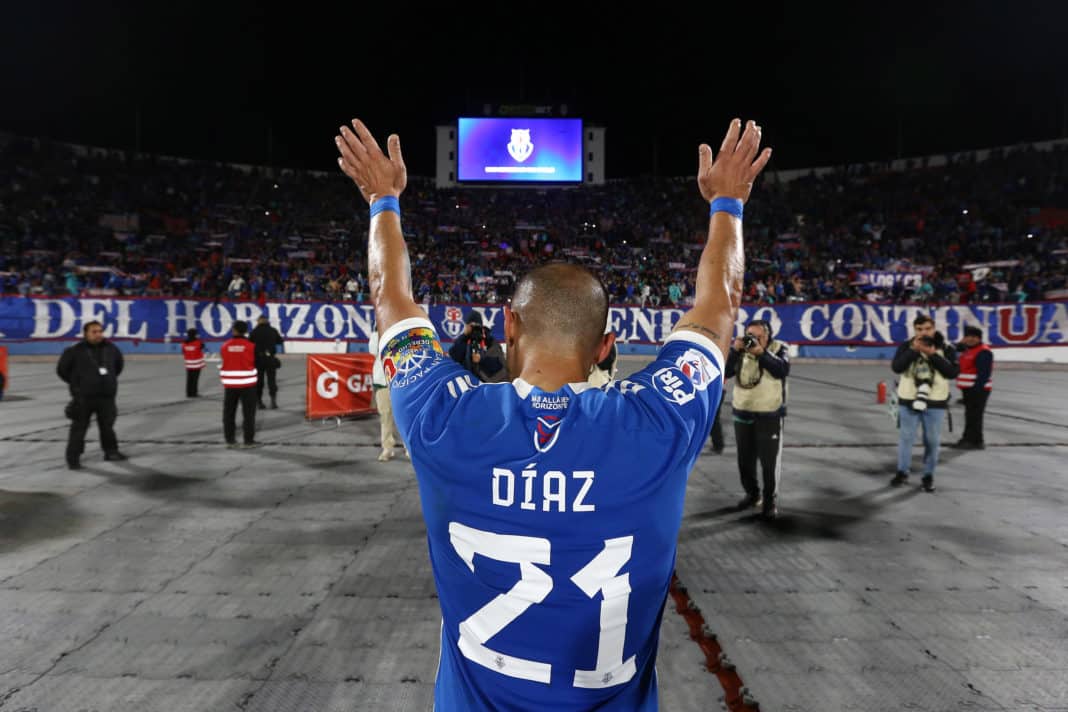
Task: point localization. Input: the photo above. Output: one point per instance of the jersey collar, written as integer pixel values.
(524, 389)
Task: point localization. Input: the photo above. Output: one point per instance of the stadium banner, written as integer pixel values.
(827, 323)
(886, 280)
(339, 384)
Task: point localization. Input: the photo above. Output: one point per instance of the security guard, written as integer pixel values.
(759, 364)
(91, 369)
(193, 355)
(975, 383)
(238, 375)
(267, 340)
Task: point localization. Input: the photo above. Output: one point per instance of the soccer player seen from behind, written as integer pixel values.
(553, 508)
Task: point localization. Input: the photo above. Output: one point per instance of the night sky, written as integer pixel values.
(232, 80)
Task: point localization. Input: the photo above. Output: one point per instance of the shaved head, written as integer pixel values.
(563, 304)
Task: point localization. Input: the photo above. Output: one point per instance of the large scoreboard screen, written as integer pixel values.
(514, 150)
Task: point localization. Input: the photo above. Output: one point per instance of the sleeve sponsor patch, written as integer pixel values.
(697, 367)
(410, 354)
(671, 383)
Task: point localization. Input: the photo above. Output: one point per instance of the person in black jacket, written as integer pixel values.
(759, 364)
(927, 365)
(477, 351)
(91, 368)
(267, 340)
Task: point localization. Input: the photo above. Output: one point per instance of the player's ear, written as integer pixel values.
(511, 325)
(605, 346)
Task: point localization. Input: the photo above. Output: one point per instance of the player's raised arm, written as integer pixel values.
(381, 180)
(725, 182)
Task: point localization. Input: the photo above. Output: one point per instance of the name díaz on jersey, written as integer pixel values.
(552, 487)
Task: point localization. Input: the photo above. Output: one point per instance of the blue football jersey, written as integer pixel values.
(552, 520)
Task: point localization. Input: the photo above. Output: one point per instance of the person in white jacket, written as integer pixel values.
(390, 436)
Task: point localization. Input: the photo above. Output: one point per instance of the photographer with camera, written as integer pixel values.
(477, 351)
(927, 364)
(759, 365)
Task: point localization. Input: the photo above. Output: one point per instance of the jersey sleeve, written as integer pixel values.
(420, 375)
(680, 390)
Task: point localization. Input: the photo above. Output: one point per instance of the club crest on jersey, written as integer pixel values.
(698, 368)
(546, 431)
(453, 324)
(520, 147)
(674, 386)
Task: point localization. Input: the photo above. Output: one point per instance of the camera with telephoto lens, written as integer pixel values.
(478, 339)
(926, 340)
(923, 392)
(923, 375)
(749, 341)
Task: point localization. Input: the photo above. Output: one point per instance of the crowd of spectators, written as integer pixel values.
(93, 222)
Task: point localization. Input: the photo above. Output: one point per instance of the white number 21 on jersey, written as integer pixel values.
(600, 574)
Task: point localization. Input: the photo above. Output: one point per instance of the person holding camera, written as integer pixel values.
(927, 364)
(91, 368)
(477, 351)
(759, 364)
(267, 340)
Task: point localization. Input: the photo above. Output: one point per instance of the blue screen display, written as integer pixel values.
(517, 150)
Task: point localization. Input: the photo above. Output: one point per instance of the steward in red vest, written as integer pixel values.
(193, 354)
(975, 382)
(238, 375)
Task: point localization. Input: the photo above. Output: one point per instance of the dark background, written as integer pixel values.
(241, 81)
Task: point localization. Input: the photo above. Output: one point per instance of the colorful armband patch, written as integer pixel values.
(410, 354)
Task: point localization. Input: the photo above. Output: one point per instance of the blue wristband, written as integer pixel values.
(386, 202)
(726, 205)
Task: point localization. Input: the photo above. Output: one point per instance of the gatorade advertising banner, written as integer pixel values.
(339, 384)
(827, 323)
